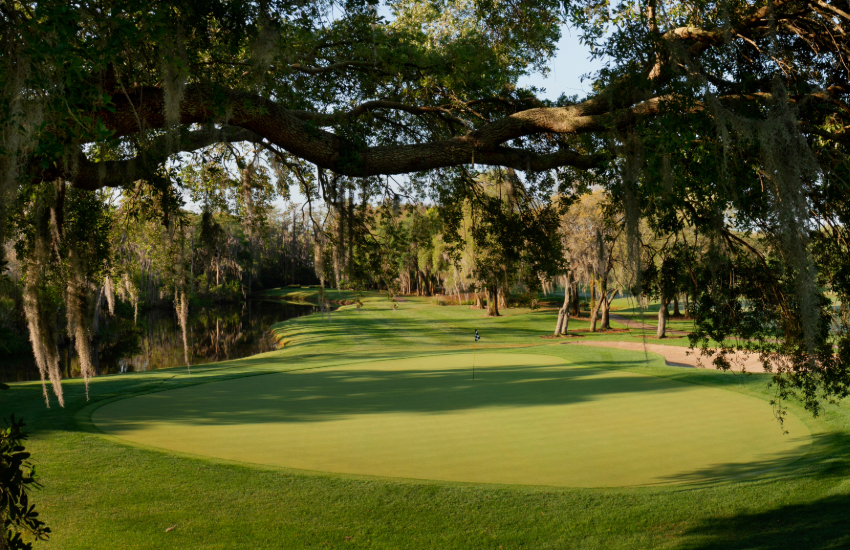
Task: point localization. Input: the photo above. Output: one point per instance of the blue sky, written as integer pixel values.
(567, 67)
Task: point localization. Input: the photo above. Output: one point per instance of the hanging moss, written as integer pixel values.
(265, 46)
(77, 306)
(109, 292)
(632, 153)
(318, 256)
(38, 305)
(181, 305)
(42, 330)
(787, 165)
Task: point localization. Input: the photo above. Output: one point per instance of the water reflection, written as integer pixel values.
(216, 333)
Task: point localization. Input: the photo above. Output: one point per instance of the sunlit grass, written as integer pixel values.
(102, 493)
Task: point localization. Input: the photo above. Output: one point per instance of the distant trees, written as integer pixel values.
(79, 252)
(590, 230)
(500, 236)
(728, 118)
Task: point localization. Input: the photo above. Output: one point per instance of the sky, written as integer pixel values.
(567, 67)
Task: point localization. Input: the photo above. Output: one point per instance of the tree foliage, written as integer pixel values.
(17, 479)
(725, 119)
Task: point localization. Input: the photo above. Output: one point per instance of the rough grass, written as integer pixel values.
(102, 493)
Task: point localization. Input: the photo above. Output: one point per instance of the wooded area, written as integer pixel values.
(715, 130)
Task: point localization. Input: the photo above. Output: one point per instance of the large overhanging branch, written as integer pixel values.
(329, 119)
(261, 118)
(90, 175)
(250, 117)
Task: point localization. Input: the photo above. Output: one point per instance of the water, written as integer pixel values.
(216, 333)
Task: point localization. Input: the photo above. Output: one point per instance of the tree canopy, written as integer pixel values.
(728, 118)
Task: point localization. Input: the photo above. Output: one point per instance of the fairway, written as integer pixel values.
(525, 419)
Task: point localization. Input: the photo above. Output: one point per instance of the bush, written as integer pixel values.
(450, 300)
(442, 300)
(17, 479)
(526, 299)
(230, 291)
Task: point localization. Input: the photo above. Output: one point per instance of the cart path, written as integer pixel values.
(631, 323)
(678, 356)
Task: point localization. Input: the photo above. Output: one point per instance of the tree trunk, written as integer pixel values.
(593, 304)
(503, 302)
(339, 251)
(560, 322)
(564, 313)
(336, 264)
(95, 355)
(192, 273)
(479, 301)
(217, 337)
(67, 361)
(594, 313)
(603, 301)
(492, 301)
(350, 218)
(606, 321)
(575, 300)
(662, 319)
(676, 312)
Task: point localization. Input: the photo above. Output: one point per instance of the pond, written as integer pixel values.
(216, 333)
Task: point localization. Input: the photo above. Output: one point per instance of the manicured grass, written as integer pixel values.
(526, 419)
(100, 492)
(299, 293)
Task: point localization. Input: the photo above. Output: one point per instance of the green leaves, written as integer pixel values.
(17, 479)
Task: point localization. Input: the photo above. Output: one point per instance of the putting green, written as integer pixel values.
(526, 419)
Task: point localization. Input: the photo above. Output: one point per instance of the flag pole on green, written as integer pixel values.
(473, 353)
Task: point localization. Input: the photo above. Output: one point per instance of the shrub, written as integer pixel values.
(17, 479)
(230, 291)
(526, 299)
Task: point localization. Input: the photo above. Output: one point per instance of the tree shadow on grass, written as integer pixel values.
(819, 525)
(827, 457)
(742, 470)
(329, 394)
(401, 329)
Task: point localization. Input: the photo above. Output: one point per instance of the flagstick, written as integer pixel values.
(473, 360)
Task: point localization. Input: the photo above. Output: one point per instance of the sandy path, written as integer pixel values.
(678, 356)
(631, 323)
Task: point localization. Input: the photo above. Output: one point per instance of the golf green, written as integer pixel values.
(525, 419)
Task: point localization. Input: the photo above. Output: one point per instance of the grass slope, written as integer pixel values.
(102, 493)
